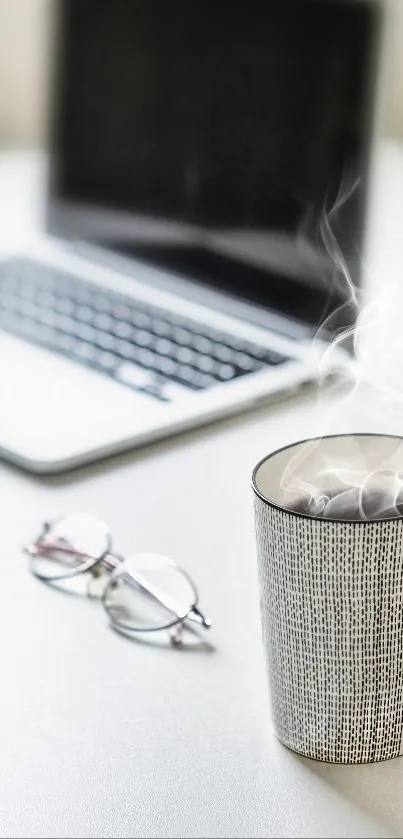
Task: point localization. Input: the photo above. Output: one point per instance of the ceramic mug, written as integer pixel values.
(331, 603)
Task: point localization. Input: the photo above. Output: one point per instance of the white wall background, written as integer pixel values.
(24, 57)
(393, 71)
(25, 48)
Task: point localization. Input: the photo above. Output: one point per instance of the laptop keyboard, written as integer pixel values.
(141, 345)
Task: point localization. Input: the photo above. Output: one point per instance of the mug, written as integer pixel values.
(331, 592)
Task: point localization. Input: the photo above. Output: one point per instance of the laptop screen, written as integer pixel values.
(216, 138)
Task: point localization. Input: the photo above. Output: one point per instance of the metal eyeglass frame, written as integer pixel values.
(114, 564)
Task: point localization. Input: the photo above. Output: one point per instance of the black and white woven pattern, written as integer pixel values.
(332, 615)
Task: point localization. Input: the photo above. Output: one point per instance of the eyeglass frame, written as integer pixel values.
(114, 563)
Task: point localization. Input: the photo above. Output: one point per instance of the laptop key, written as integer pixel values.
(64, 305)
(160, 327)
(202, 381)
(29, 310)
(226, 372)
(101, 302)
(143, 338)
(131, 374)
(105, 340)
(146, 358)
(182, 336)
(125, 349)
(123, 329)
(245, 362)
(66, 343)
(185, 373)
(206, 363)
(139, 318)
(86, 351)
(121, 311)
(85, 314)
(107, 360)
(203, 345)
(164, 347)
(224, 353)
(86, 332)
(166, 366)
(272, 357)
(102, 321)
(46, 300)
(185, 355)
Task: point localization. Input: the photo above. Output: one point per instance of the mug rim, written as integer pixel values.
(309, 516)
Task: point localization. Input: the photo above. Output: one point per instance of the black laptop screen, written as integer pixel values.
(209, 136)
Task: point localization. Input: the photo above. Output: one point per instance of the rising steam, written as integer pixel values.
(352, 489)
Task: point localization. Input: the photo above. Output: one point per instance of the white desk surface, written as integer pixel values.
(104, 736)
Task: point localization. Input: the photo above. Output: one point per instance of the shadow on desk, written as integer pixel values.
(375, 788)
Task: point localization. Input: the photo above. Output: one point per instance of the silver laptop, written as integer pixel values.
(194, 149)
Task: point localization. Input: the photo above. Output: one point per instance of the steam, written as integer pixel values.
(353, 488)
(366, 495)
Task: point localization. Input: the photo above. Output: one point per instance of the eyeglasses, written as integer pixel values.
(145, 592)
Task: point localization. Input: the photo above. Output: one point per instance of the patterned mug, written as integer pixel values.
(331, 589)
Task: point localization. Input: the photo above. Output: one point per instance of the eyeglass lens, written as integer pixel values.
(70, 546)
(148, 592)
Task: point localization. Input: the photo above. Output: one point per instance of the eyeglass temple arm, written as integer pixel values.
(108, 559)
(199, 617)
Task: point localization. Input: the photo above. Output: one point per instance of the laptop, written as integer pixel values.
(195, 148)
